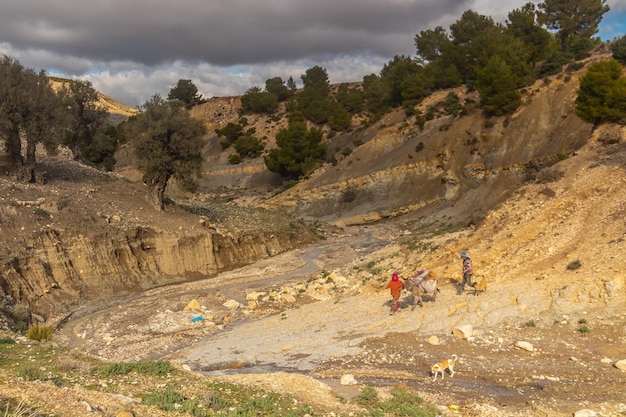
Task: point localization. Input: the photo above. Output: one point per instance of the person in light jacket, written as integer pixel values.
(468, 271)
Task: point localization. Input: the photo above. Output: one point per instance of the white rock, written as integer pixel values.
(186, 367)
(287, 298)
(348, 379)
(253, 296)
(585, 413)
(463, 331)
(524, 345)
(231, 304)
(621, 364)
(433, 340)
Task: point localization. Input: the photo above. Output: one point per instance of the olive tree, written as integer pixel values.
(167, 143)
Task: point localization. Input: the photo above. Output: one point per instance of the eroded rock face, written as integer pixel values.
(65, 270)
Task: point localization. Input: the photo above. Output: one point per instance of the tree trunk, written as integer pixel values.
(14, 151)
(156, 191)
(29, 170)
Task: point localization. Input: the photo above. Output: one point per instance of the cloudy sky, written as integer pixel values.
(133, 49)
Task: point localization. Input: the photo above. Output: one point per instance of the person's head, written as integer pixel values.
(463, 255)
(395, 277)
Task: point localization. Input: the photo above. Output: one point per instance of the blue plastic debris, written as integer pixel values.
(195, 319)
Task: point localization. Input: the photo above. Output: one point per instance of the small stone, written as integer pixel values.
(287, 298)
(463, 331)
(524, 345)
(348, 379)
(621, 364)
(125, 414)
(231, 304)
(433, 340)
(585, 413)
(193, 305)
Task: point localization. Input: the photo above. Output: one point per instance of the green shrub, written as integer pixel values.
(41, 212)
(6, 341)
(403, 403)
(368, 397)
(157, 367)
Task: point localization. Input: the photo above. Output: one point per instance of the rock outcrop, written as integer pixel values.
(65, 270)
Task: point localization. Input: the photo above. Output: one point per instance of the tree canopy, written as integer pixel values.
(572, 19)
(167, 143)
(84, 116)
(187, 92)
(602, 93)
(299, 149)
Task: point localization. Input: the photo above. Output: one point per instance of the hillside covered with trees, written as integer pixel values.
(496, 60)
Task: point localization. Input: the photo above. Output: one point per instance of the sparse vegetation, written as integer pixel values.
(157, 367)
(403, 403)
(40, 332)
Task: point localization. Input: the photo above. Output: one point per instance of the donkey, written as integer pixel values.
(422, 283)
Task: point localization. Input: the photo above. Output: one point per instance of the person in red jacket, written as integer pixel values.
(396, 286)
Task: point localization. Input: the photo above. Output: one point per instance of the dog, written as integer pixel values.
(480, 286)
(441, 367)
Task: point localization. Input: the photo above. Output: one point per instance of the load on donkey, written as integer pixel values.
(424, 282)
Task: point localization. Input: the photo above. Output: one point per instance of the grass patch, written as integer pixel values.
(226, 400)
(40, 332)
(157, 367)
(161, 386)
(403, 403)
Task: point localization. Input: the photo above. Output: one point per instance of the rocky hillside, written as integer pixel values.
(393, 167)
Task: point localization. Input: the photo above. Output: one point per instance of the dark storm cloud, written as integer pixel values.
(132, 49)
(222, 33)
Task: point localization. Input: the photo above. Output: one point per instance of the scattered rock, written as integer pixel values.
(231, 304)
(621, 364)
(524, 345)
(287, 298)
(348, 379)
(193, 305)
(463, 331)
(255, 295)
(433, 340)
(585, 413)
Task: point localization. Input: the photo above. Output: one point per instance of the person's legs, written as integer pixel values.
(395, 304)
(467, 280)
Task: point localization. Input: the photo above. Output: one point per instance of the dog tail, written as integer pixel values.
(454, 356)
